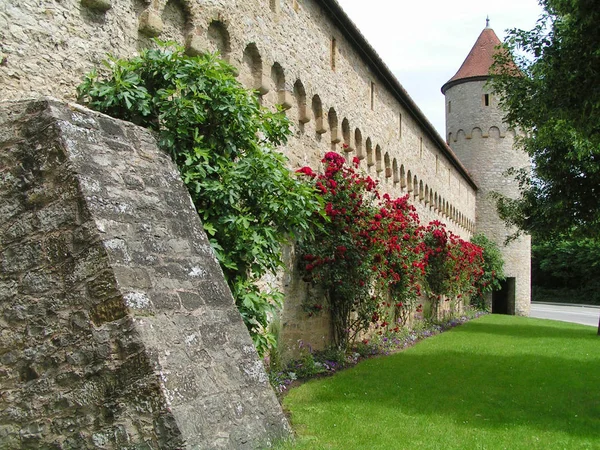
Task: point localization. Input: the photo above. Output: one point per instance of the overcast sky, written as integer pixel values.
(424, 42)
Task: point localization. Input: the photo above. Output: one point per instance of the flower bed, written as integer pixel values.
(313, 364)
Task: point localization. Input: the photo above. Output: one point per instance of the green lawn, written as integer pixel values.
(498, 382)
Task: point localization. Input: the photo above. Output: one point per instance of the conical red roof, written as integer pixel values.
(479, 60)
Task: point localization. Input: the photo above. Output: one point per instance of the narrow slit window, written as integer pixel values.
(275, 6)
(421, 148)
(400, 125)
(333, 53)
(486, 99)
(372, 96)
(449, 107)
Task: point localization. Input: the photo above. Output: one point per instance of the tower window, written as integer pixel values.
(333, 53)
(449, 107)
(486, 99)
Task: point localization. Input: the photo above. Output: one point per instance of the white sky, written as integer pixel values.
(424, 42)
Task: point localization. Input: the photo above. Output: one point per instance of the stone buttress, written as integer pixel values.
(118, 329)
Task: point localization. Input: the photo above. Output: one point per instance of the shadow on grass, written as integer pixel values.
(493, 391)
(526, 330)
(451, 376)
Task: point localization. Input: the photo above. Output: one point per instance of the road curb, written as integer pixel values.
(566, 304)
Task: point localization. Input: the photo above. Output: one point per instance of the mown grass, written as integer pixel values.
(498, 382)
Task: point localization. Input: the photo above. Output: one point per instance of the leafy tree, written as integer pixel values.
(552, 92)
(223, 142)
(567, 267)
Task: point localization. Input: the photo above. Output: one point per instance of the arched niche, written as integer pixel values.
(254, 65)
(494, 132)
(378, 159)
(332, 120)
(358, 144)
(282, 97)
(218, 38)
(370, 158)
(317, 109)
(176, 22)
(346, 135)
(415, 186)
(476, 133)
(388, 165)
(402, 177)
(300, 95)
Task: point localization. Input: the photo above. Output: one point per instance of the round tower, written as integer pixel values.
(477, 134)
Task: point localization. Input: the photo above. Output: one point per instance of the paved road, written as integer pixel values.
(586, 315)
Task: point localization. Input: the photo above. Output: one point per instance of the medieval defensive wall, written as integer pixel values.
(305, 55)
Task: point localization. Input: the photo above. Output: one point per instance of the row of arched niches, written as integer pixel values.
(182, 21)
(477, 132)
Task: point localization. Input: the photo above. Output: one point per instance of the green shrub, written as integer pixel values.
(223, 142)
(331, 354)
(493, 271)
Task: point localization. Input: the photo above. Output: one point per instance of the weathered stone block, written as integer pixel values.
(150, 23)
(320, 125)
(121, 333)
(286, 99)
(335, 135)
(195, 45)
(303, 114)
(263, 86)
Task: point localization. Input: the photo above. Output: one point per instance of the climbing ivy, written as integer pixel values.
(224, 144)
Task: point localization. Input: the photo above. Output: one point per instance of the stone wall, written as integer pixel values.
(118, 330)
(283, 48)
(305, 55)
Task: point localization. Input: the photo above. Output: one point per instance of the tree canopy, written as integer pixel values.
(566, 270)
(552, 92)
